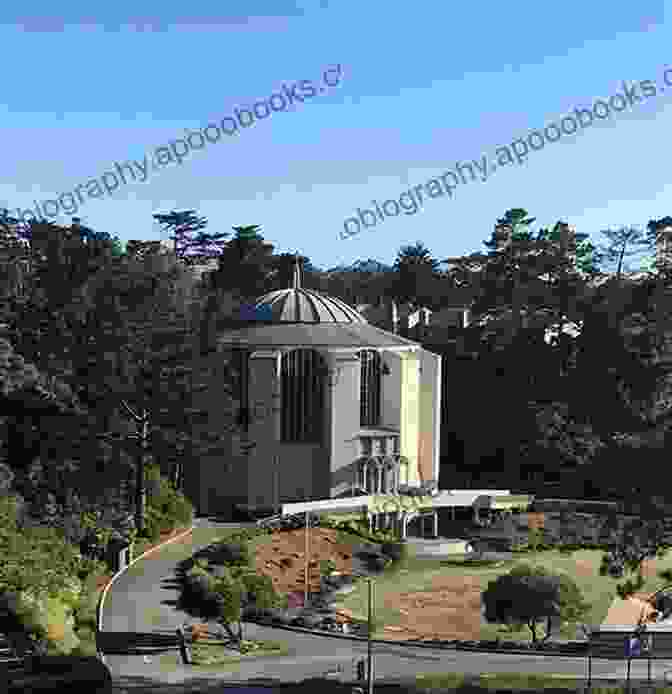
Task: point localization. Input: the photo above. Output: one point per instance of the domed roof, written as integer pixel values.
(298, 305)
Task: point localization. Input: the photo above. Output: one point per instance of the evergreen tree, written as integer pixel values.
(415, 270)
(182, 226)
(245, 264)
(622, 243)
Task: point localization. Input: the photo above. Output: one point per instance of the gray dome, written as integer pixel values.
(298, 305)
(306, 306)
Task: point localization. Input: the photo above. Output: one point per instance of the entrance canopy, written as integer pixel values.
(498, 499)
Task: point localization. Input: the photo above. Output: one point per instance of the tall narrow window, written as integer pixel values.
(302, 378)
(369, 403)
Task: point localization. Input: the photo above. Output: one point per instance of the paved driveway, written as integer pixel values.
(140, 601)
(142, 598)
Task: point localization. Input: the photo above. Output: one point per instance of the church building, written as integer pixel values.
(332, 407)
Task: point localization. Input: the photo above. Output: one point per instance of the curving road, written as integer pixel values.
(139, 600)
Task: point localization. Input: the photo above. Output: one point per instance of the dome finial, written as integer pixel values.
(297, 272)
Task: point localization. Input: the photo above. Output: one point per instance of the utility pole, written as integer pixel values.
(276, 480)
(369, 645)
(305, 597)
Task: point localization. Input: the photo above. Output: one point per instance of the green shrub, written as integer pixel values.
(166, 508)
(259, 590)
(10, 512)
(154, 523)
(85, 612)
(175, 507)
(46, 619)
(361, 529)
(198, 589)
(327, 566)
(152, 481)
(37, 559)
(90, 568)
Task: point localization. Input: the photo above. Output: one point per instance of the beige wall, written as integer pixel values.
(391, 391)
(410, 391)
(430, 415)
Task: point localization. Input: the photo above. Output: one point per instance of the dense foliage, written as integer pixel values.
(42, 584)
(575, 355)
(220, 583)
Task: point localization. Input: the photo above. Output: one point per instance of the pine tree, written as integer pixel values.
(622, 243)
(182, 227)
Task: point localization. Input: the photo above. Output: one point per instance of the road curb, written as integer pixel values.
(411, 644)
(325, 634)
(101, 599)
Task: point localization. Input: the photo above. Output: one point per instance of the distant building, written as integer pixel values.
(664, 248)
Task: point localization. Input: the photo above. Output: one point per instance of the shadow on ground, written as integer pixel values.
(142, 685)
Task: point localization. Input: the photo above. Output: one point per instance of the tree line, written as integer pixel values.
(564, 363)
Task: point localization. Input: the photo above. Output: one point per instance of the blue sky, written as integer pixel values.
(422, 87)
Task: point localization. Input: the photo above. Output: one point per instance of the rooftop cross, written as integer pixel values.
(297, 272)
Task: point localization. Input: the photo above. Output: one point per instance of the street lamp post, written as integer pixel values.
(306, 569)
(276, 484)
(369, 645)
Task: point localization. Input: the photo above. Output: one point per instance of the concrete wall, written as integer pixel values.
(302, 468)
(264, 401)
(222, 476)
(344, 419)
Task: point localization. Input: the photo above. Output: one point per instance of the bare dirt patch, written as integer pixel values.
(584, 567)
(449, 607)
(629, 612)
(450, 610)
(282, 557)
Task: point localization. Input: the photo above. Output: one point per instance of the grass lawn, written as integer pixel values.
(519, 682)
(212, 655)
(142, 545)
(183, 549)
(419, 575)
